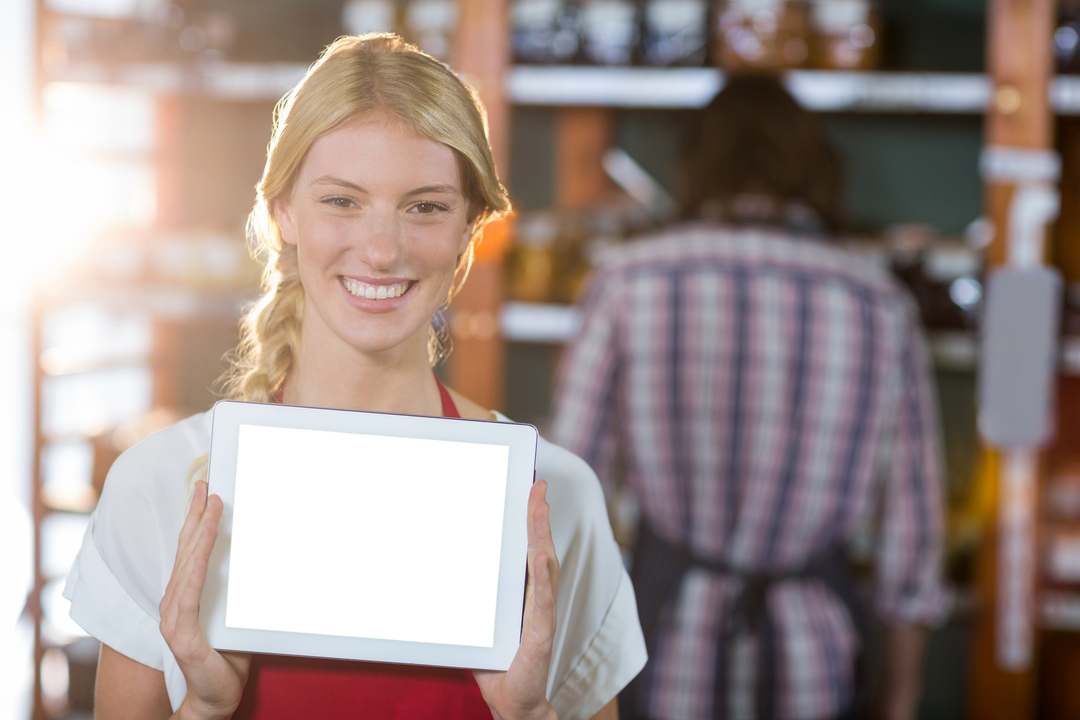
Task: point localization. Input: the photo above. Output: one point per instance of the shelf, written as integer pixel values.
(167, 302)
(956, 350)
(538, 323)
(1059, 610)
(233, 81)
(820, 90)
(550, 323)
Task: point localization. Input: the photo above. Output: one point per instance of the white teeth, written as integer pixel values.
(374, 292)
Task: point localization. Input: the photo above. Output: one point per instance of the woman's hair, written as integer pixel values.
(354, 76)
(755, 139)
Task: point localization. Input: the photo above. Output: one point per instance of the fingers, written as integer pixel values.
(543, 600)
(190, 527)
(188, 533)
(195, 512)
(543, 583)
(179, 606)
(540, 539)
(200, 557)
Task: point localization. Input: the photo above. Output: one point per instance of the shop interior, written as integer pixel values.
(157, 115)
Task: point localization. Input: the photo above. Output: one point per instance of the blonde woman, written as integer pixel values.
(378, 182)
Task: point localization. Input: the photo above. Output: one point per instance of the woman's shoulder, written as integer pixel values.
(155, 469)
(125, 558)
(187, 439)
(575, 494)
(574, 491)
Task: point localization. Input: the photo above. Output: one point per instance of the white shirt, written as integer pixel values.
(127, 556)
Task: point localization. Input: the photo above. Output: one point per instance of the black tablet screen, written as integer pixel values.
(366, 535)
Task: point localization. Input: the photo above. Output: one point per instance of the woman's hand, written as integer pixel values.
(215, 681)
(520, 692)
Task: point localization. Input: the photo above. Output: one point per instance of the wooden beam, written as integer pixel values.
(1019, 61)
(170, 161)
(482, 54)
(582, 136)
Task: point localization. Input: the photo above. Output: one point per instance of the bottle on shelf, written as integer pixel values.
(761, 34)
(545, 32)
(359, 17)
(675, 33)
(609, 32)
(530, 263)
(1067, 37)
(431, 25)
(846, 34)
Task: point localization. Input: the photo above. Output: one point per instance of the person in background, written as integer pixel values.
(765, 390)
(378, 182)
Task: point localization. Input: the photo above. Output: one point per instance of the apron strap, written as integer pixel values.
(658, 570)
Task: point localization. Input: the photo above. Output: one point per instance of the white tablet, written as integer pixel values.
(368, 536)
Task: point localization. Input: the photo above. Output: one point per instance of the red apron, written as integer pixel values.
(291, 688)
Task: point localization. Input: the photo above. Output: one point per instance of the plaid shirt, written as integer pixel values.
(765, 393)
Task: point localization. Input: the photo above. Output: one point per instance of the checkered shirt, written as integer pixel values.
(767, 393)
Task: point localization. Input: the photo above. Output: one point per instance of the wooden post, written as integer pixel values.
(582, 136)
(1019, 63)
(482, 55)
(170, 162)
(37, 504)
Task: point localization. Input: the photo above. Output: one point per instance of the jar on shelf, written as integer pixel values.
(761, 34)
(1067, 37)
(545, 32)
(571, 266)
(609, 30)
(431, 25)
(846, 34)
(359, 17)
(675, 33)
(530, 264)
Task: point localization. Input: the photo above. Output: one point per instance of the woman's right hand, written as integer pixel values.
(215, 681)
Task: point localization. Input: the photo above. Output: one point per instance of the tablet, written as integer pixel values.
(368, 536)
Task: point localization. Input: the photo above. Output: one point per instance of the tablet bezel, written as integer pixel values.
(229, 415)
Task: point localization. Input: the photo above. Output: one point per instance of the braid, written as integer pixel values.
(270, 333)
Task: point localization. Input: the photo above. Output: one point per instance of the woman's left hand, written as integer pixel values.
(521, 691)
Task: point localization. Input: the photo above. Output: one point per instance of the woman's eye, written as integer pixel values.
(427, 208)
(340, 202)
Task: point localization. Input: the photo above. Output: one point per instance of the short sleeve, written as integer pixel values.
(911, 547)
(599, 647)
(120, 573)
(101, 606)
(614, 657)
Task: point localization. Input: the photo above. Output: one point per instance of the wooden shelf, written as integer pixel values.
(232, 81)
(820, 90)
(160, 301)
(538, 322)
(572, 85)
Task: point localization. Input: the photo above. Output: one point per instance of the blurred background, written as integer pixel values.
(134, 131)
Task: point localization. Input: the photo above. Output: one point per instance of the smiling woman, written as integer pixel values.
(378, 183)
(355, 88)
(379, 221)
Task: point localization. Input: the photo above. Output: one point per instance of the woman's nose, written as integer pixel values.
(380, 241)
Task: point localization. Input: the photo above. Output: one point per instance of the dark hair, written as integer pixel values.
(754, 138)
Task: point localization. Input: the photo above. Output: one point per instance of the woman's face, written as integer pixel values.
(379, 220)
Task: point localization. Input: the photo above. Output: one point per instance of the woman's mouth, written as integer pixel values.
(375, 292)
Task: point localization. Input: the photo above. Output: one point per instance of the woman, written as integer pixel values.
(378, 182)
